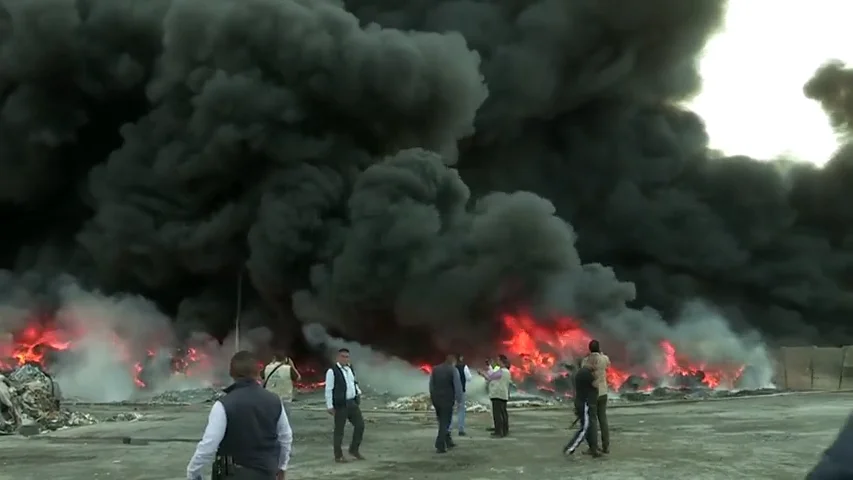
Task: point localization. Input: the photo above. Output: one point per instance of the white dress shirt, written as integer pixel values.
(349, 377)
(217, 421)
(467, 372)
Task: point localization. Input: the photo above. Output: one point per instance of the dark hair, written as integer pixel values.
(343, 350)
(244, 364)
(594, 347)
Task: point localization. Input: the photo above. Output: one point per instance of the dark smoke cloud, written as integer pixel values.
(382, 167)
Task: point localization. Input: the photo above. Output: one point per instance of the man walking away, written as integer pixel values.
(835, 463)
(465, 378)
(599, 363)
(498, 386)
(585, 403)
(445, 388)
(279, 376)
(342, 403)
(247, 432)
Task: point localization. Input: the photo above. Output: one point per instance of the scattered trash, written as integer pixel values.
(187, 397)
(30, 403)
(30, 400)
(422, 403)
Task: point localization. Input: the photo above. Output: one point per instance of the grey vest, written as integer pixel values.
(251, 436)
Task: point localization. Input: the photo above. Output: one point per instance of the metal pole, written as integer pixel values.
(239, 309)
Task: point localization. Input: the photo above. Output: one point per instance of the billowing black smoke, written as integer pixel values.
(367, 166)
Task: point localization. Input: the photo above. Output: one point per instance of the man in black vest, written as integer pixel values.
(445, 388)
(247, 429)
(342, 402)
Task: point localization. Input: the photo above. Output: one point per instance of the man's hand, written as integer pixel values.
(280, 475)
(331, 411)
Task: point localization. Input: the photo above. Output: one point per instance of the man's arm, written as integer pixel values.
(294, 373)
(457, 385)
(835, 463)
(205, 452)
(355, 383)
(493, 374)
(330, 385)
(467, 372)
(285, 440)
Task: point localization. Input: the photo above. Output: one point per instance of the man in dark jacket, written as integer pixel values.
(586, 395)
(445, 388)
(247, 430)
(836, 463)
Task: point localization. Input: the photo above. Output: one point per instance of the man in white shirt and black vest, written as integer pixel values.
(342, 402)
(247, 433)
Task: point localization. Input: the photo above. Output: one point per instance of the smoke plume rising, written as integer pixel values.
(414, 169)
(377, 372)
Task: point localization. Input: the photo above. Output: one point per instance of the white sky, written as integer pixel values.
(754, 72)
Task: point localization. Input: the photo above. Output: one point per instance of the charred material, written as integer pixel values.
(30, 398)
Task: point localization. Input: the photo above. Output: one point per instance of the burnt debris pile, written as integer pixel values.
(30, 400)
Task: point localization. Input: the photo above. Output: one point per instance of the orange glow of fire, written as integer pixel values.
(537, 351)
(32, 344)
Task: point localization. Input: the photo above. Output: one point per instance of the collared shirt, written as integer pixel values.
(349, 377)
(467, 372)
(217, 422)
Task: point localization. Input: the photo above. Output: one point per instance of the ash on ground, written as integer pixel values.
(30, 403)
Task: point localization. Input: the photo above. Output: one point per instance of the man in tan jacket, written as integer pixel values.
(279, 376)
(599, 363)
(498, 383)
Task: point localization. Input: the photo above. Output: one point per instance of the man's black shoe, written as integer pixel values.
(596, 454)
(451, 445)
(490, 429)
(462, 434)
(440, 450)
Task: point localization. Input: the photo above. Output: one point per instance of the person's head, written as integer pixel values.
(460, 359)
(503, 361)
(278, 356)
(343, 356)
(594, 347)
(450, 359)
(244, 366)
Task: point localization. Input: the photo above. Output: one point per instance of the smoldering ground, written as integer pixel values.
(390, 162)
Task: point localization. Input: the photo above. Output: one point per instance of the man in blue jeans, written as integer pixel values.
(465, 377)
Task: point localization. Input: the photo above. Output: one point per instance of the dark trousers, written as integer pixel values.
(443, 415)
(587, 427)
(241, 473)
(350, 412)
(601, 415)
(500, 417)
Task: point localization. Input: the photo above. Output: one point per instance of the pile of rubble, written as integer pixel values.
(666, 393)
(422, 403)
(29, 397)
(192, 396)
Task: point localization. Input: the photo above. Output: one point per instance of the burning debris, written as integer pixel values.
(30, 397)
(540, 355)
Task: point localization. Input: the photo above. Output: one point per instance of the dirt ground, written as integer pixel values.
(778, 437)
